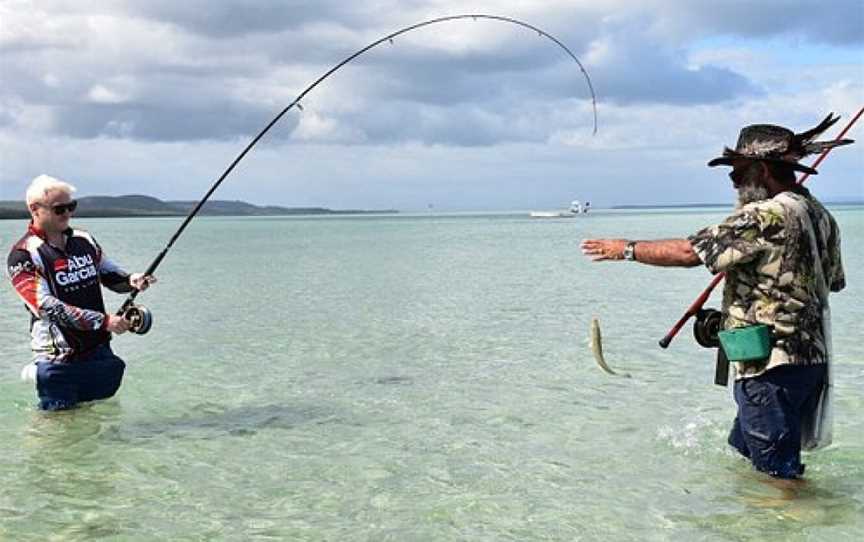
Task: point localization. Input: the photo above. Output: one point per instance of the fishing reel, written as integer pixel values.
(140, 318)
(708, 323)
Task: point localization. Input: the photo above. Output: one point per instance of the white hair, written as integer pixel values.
(41, 185)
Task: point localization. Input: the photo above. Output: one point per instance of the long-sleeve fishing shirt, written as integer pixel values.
(771, 277)
(61, 289)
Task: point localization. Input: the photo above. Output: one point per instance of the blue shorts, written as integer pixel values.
(97, 374)
(767, 429)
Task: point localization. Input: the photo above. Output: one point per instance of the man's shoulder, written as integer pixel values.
(817, 206)
(83, 234)
(771, 205)
(20, 255)
(765, 213)
(806, 203)
(28, 242)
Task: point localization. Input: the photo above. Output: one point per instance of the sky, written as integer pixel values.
(158, 97)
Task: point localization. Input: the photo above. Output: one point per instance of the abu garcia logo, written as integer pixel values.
(78, 268)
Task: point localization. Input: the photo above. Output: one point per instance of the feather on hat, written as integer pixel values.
(772, 143)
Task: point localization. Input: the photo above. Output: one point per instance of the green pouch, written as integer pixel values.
(746, 343)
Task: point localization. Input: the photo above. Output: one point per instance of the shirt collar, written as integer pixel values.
(35, 230)
(39, 232)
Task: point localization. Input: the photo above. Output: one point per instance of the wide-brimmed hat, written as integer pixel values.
(771, 143)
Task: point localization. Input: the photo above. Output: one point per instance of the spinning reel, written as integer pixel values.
(140, 318)
(708, 323)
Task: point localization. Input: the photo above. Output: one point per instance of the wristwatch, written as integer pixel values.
(630, 251)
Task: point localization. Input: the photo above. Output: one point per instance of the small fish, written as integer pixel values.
(597, 349)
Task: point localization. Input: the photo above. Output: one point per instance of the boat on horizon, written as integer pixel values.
(576, 209)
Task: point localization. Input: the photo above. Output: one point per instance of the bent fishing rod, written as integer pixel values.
(141, 317)
(697, 305)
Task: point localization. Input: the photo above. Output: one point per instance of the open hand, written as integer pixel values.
(604, 249)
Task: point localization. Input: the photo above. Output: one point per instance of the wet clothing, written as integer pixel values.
(61, 288)
(96, 375)
(775, 276)
(771, 410)
(770, 277)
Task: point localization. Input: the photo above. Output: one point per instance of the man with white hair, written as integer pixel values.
(57, 271)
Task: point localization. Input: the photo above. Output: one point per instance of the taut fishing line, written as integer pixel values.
(142, 319)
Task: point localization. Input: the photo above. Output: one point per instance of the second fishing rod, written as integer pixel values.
(708, 321)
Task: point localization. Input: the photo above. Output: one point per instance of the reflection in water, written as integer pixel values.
(214, 421)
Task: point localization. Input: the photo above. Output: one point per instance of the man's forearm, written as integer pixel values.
(666, 252)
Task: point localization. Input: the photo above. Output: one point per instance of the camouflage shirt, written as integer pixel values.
(765, 251)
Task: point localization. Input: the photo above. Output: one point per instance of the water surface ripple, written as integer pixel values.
(412, 378)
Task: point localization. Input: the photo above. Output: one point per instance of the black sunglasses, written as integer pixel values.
(63, 208)
(739, 175)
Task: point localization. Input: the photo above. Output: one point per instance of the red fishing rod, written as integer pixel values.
(703, 297)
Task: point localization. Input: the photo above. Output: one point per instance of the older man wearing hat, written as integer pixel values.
(780, 251)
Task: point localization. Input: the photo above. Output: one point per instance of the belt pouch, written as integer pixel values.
(751, 343)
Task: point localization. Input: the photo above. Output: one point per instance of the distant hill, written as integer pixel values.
(138, 205)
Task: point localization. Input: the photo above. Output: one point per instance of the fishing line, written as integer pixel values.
(141, 317)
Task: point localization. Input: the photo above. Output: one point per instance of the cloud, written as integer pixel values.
(840, 22)
(225, 93)
(103, 94)
(312, 126)
(232, 19)
(211, 121)
(160, 85)
(627, 71)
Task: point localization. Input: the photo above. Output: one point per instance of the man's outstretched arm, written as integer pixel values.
(666, 252)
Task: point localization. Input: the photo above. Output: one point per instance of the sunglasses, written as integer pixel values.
(737, 176)
(62, 208)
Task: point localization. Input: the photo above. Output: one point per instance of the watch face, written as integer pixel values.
(628, 251)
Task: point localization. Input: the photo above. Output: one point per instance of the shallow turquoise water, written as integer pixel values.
(412, 378)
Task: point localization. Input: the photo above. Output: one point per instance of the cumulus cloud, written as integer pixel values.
(111, 76)
(136, 66)
(221, 19)
(626, 71)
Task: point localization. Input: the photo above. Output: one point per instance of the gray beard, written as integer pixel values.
(750, 192)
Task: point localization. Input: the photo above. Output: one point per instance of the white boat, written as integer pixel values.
(576, 209)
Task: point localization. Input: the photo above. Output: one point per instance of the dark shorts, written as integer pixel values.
(767, 429)
(94, 375)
